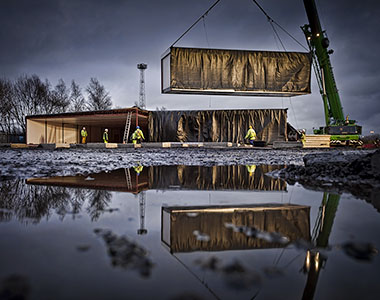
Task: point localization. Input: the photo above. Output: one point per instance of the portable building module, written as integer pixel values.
(65, 127)
(217, 125)
(235, 72)
(159, 126)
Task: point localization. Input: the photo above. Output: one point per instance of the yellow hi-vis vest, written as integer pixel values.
(251, 134)
(138, 134)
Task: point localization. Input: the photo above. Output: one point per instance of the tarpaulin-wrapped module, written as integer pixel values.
(235, 72)
(217, 125)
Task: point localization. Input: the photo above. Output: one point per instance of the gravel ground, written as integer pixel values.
(26, 163)
(355, 172)
(335, 170)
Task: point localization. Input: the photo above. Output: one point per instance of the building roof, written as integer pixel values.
(111, 117)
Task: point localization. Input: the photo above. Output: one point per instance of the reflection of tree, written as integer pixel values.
(78, 197)
(98, 201)
(30, 203)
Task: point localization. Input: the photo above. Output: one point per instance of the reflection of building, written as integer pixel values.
(121, 180)
(215, 178)
(165, 177)
(179, 224)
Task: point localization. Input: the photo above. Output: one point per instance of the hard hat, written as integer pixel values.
(138, 127)
(250, 127)
(106, 129)
(84, 127)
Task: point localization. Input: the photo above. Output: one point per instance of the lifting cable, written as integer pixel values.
(201, 17)
(270, 20)
(208, 45)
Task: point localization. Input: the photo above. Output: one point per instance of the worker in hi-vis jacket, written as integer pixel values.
(84, 134)
(137, 136)
(251, 135)
(303, 137)
(105, 136)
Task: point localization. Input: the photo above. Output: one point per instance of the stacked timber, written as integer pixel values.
(111, 145)
(19, 146)
(317, 141)
(62, 145)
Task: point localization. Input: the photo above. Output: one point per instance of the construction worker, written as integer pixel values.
(138, 169)
(105, 136)
(84, 134)
(251, 135)
(303, 137)
(137, 136)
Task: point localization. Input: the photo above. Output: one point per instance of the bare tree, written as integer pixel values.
(7, 125)
(98, 97)
(59, 98)
(30, 97)
(78, 103)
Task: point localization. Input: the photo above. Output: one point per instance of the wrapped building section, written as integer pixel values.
(217, 125)
(235, 72)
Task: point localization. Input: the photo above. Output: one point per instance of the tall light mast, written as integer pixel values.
(142, 102)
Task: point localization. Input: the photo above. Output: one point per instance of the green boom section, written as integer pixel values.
(318, 43)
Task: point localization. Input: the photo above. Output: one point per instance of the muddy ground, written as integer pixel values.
(354, 171)
(26, 163)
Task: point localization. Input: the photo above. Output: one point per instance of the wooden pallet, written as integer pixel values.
(19, 146)
(111, 145)
(62, 145)
(317, 141)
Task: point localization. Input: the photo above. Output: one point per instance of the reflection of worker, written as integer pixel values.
(84, 134)
(303, 137)
(251, 169)
(137, 136)
(251, 135)
(138, 169)
(105, 136)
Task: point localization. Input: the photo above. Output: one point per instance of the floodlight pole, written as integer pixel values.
(142, 67)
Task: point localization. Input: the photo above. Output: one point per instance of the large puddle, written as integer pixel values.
(224, 232)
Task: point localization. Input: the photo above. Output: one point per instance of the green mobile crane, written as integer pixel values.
(342, 130)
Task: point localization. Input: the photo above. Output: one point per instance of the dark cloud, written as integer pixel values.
(79, 39)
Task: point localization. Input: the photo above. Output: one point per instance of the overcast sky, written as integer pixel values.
(106, 39)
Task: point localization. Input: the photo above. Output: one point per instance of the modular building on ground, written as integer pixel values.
(66, 127)
(159, 126)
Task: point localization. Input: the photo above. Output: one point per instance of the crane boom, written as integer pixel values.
(319, 43)
(340, 128)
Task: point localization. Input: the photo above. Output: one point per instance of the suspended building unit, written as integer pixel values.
(235, 72)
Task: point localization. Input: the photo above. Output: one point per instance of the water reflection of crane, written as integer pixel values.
(314, 261)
